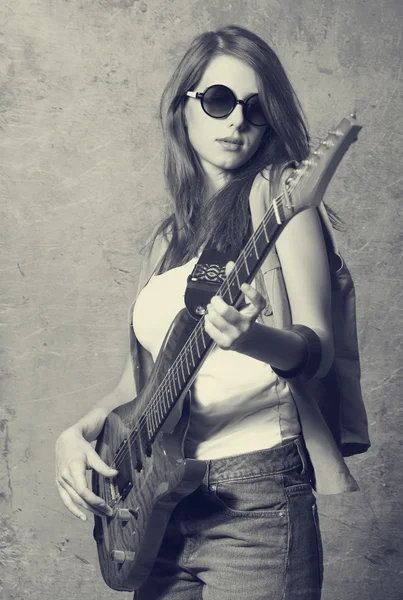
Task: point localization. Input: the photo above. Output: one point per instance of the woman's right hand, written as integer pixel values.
(74, 455)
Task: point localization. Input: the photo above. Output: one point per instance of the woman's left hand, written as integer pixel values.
(228, 326)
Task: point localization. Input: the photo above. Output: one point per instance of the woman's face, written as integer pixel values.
(205, 132)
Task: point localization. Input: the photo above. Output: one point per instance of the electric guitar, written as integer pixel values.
(144, 438)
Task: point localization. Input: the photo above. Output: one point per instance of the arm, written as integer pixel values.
(74, 453)
(303, 256)
(302, 253)
(90, 425)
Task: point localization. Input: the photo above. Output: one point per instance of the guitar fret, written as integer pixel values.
(203, 340)
(174, 382)
(237, 277)
(254, 246)
(197, 347)
(265, 231)
(159, 413)
(170, 393)
(157, 422)
(153, 427)
(148, 425)
(165, 404)
(260, 243)
(242, 272)
(155, 414)
(246, 263)
(183, 373)
(229, 292)
(252, 264)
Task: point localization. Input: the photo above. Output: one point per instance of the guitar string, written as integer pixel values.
(174, 369)
(164, 385)
(178, 363)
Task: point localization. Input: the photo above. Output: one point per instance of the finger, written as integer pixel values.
(226, 321)
(69, 504)
(76, 499)
(80, 486)
(222, 340)
(96, 462)
(219, 307)
(228, 267)
(254, 296)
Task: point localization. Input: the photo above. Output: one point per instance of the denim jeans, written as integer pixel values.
(249, 532)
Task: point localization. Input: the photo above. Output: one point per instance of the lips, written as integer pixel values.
(230, 140)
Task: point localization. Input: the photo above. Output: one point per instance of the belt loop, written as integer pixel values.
(299, 442)
(206, 478)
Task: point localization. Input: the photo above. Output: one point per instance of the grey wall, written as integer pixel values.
(80, 189)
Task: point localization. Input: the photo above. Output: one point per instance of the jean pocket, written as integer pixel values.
(261, 496)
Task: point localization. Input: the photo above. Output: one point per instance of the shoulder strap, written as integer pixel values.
(328, 227)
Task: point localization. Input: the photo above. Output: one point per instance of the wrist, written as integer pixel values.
(90, 426)
(311, 360)
(293, 352)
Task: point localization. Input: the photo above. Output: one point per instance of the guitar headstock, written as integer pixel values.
(307, 184)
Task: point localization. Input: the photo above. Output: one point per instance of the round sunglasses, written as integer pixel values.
(218, 101)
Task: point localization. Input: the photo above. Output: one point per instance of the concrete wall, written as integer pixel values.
(80, 189)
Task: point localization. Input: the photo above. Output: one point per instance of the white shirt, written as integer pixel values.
(238, 403)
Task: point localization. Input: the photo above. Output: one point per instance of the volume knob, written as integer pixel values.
(123, 514)
(120, 556)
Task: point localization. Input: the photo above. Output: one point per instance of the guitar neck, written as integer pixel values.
(306, 187)
(184, 369)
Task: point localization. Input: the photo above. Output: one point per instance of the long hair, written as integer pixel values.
(224, 221)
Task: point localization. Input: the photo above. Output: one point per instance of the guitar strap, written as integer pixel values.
(205, 279)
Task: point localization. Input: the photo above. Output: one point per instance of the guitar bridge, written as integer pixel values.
(117, 488)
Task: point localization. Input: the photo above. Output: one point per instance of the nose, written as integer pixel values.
(236, 118)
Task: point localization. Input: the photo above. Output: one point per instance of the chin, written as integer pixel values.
(230, 163)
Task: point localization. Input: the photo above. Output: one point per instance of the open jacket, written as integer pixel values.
(327, 437)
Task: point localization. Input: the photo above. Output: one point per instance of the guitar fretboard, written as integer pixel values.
(186, 365)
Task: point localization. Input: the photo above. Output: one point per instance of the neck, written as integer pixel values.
(214, 183)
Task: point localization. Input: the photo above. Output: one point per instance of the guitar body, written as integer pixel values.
(151, 481)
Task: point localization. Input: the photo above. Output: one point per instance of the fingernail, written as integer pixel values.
(83, 517)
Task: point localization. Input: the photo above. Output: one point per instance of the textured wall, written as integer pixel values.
(80, 188)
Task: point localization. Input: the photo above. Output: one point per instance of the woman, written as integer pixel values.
(250, 529)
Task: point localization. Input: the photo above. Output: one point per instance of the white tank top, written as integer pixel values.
(238, 403)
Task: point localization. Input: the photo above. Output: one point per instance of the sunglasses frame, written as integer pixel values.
(243, 103)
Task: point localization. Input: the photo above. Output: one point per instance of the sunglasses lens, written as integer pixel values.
(254, 112)
(218, 101)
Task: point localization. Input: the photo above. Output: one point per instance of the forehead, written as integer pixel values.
(230, 71)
